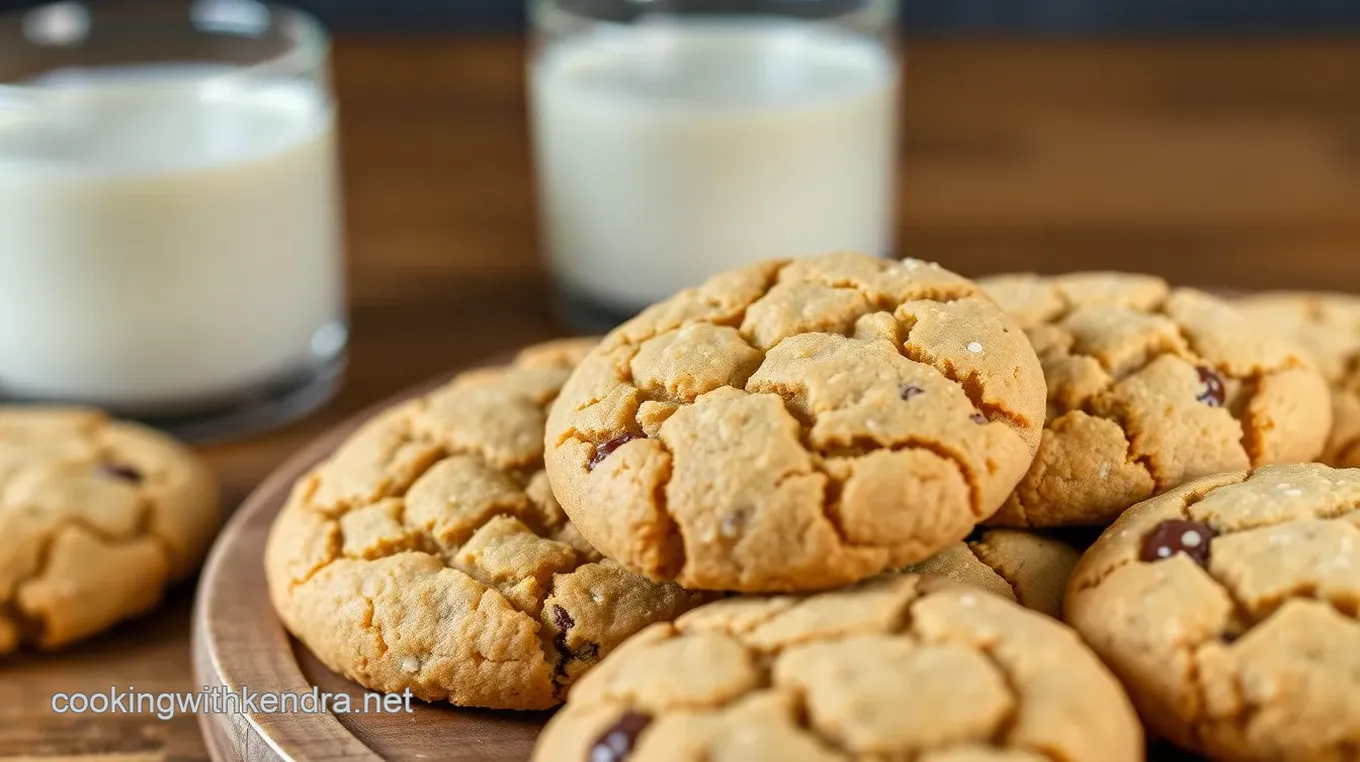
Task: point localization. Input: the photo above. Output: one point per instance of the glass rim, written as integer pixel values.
(636, 9)
(308, 47)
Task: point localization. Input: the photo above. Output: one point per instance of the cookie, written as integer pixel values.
(797, 425)
(1328, 327)
(898, 667)
(1024, 567)
(1228, 607)
(428, 552)
(1150, 387)
(97, 518)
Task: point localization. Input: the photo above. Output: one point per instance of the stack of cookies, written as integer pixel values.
(829, 509)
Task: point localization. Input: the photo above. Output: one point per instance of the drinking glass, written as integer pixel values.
(679, 138)
(170, 236)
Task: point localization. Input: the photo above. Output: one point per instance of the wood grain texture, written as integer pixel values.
(1209, 161)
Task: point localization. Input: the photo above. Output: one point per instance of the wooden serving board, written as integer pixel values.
(238, 642)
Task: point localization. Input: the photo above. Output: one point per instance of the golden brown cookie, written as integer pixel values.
(1228, 607)
(428, 552)
(797, 424)
(1022, 566)
(1150, 387)
(898, 667)
(97, 518)
(1328, 327)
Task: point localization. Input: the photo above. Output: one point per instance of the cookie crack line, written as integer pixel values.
(333, 517)
(970, 477)
(557, 646)
(1141, 461)
(943, 293)
(733, 321)
(972, 548)
(768, 286)
(1332, 514)
(32, 628)
(1067, 306)
(1242, 615)
(1249, 709)
(890, 307)
(968, 383)
(661, 499)
(441, 451)
(1192, 354)
(1004, 726)
(546, 647)
(854, 450)
(1000, 734)
(370, 624)
(802, 719)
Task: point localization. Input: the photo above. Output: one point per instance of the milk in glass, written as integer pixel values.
(668, 152)
(168, 236)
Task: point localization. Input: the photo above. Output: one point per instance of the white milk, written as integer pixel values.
(670, 152)
(165, 240)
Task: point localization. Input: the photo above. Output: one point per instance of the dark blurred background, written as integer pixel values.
(1042, 16)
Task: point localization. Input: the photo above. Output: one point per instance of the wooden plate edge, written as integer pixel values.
(258, 736)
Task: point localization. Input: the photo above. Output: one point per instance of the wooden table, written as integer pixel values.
(1228, 162)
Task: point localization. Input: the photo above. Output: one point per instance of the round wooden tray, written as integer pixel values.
(239, 643)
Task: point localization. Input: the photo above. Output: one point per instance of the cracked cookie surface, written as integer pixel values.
(898, 667)
(1228, 607)
(1327, 326)
(1018, 565)
(1148, 388)
(97, 518)
(429, 553)
(797, 425)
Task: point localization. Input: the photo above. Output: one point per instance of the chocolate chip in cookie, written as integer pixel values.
(562, 619)
(121, 471)
(605, 450)
(616, 743)
(1178, 536)
(1211, 390)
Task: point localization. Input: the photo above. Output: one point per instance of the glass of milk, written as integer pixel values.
(170, 242)
(679, 138)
